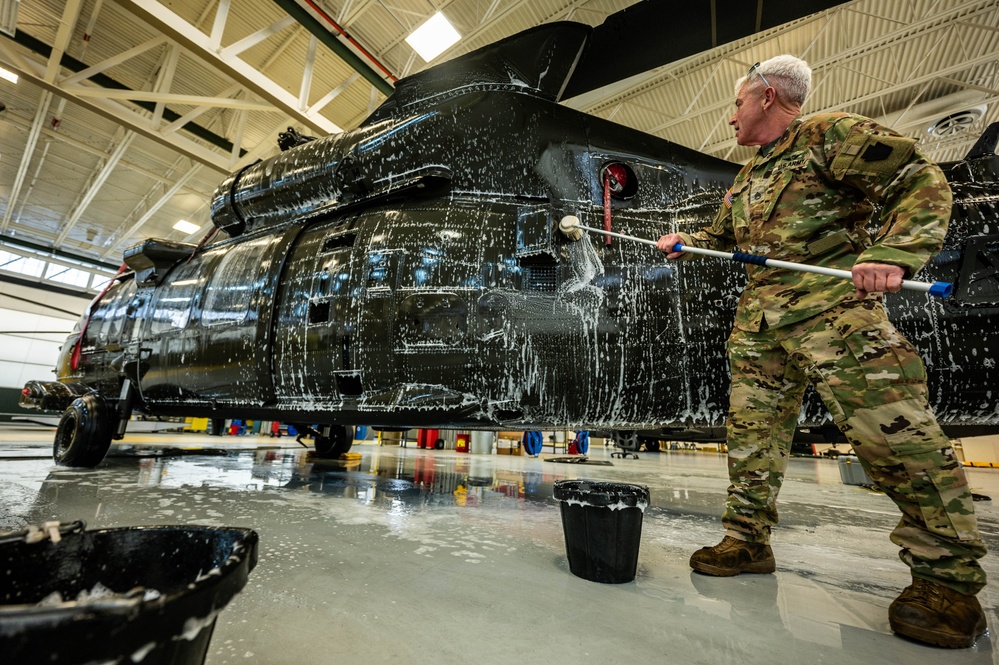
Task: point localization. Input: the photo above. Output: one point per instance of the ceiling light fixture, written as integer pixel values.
(433, 37)
(7, 75)
(187, 227)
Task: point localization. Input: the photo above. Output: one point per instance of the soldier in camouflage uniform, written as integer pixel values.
(807, 196)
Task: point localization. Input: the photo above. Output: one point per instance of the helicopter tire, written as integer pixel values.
(652, 445)
(339, 442)
(84, 433)
(627, 439)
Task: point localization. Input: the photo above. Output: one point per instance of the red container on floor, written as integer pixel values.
(461, 443)
(427, 438)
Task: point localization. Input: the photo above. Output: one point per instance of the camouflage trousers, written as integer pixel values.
(874, 384)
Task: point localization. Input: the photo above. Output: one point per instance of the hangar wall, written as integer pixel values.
(34, 323)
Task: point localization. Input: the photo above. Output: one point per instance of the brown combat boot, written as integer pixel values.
(733, 556)
(936, 614)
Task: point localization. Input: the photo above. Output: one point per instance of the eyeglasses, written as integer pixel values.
(753, 69)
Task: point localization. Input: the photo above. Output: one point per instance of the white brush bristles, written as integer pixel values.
(569, 226)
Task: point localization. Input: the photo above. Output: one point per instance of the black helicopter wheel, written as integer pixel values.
(84, 433)
(336, 443)
(652, 445)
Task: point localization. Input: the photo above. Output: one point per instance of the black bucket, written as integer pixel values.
(602, 524)
(152, 593)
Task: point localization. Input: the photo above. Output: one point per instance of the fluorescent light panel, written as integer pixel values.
(433, 37)
(8, 16)
(8, 76)
(187, 227)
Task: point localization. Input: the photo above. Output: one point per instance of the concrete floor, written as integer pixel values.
(412, 556)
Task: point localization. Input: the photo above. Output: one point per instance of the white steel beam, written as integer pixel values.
(169, 97)
(70, 15)
(137, 122)
(113, 61)
(29, 148)
(252, 40)
(237, 136)
(259, 151)
(113, 250)
(200, 44)
(310, 63)
(223, 97)
(167, 67)
(67, 24)
(335, 92)
(51, 135)
(110, 164)
(218, 26)
(164, 82)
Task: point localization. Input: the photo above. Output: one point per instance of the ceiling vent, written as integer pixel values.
(8, 16)
(955, 123)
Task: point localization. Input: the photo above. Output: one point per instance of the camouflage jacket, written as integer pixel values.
(809, 199)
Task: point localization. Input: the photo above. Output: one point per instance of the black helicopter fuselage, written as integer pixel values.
(410, 273)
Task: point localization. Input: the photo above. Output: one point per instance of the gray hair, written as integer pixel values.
(787, 74)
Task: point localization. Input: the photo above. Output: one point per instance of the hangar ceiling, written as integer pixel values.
(128, 113)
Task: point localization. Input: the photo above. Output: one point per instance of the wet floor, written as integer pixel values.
(414, 556)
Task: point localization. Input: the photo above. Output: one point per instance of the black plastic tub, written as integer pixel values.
(151, 594)
(602, 525)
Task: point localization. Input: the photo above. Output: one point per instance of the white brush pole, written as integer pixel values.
(938, 289)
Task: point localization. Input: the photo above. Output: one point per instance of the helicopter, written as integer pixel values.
(411, 273)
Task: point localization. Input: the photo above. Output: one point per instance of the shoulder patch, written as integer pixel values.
(876, 152)
(728, 198)
(865, 153)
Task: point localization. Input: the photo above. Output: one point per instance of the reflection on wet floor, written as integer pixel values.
(385, 477)
(416, 556)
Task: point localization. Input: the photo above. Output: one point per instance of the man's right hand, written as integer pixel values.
(666, 244)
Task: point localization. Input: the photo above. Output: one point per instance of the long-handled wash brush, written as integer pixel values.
(573, 230)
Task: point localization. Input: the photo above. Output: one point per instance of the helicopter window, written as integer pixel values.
(319, 311)
(239, 276)
(174, 300)
(441, 266)
(334, 276)
(116, 317)
(102, 318)
(339, 240)
(381, 270)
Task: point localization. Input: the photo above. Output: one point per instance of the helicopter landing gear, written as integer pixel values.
(330, 441)
(84, 433)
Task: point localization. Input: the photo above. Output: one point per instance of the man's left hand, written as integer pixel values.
(876, 278)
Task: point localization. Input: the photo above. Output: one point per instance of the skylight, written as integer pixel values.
(187, 227)
(433, 37)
